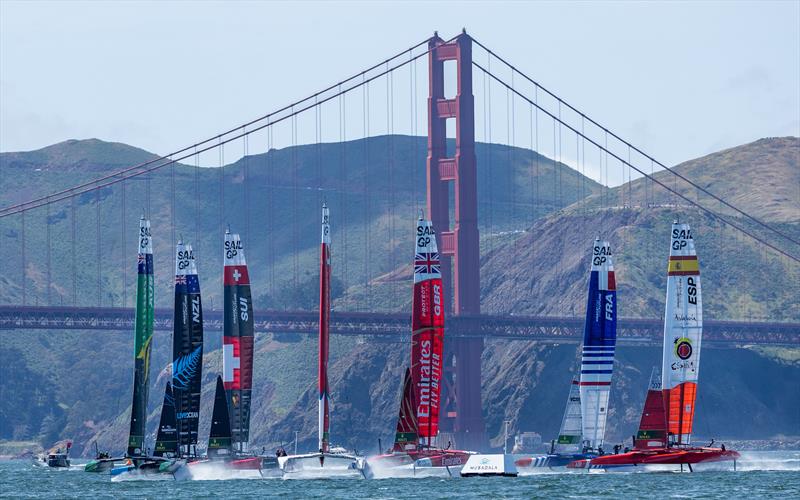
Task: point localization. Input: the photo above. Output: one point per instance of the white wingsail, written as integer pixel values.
(683, 329)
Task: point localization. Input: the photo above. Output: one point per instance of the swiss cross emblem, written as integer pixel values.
(236, 275)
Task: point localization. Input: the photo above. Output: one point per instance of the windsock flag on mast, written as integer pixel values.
(187, 348)
(427, 331)
(142, 339)
(324, 325)
(683, 331)
(237, 340)
(599, 344)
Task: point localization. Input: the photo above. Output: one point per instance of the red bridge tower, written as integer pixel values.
(461, 414)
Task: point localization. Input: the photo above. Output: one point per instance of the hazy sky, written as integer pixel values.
(678, 79)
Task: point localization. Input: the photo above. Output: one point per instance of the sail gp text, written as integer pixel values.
(680, 237)
(232, 248)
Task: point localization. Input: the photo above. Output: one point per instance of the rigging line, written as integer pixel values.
(653, 179)
(196, 197)
(617, 137)
(251, 122)
(79, 189)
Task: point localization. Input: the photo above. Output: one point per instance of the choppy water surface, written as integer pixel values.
(759, 475)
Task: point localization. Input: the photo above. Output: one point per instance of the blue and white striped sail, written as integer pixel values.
(599, 342)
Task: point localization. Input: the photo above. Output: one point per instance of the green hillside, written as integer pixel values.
(287, 187)
(76, 384)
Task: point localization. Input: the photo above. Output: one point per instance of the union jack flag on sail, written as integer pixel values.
(427, 263)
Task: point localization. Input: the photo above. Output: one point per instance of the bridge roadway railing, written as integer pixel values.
(395, 326)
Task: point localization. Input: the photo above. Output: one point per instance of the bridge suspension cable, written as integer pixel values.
(624, 162)
(516, 70)
(366, 76)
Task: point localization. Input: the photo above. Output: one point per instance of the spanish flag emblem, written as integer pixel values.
(683, 266)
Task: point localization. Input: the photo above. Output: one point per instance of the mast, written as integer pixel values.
(324, 325)
(599, 344)
(406, 438)
(219, 437)
(142, 339)
(569, 437)
(237, 341)
(427, 331)
(187, 349)
(683, 329)
(653, 424)
(167, 439)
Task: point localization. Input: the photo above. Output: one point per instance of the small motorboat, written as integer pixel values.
(56, 458)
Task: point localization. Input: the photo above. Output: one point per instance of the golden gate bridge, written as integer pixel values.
(46, 237)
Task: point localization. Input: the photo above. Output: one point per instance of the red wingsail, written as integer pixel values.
(427, 326)
(653, 425)
(324, 324)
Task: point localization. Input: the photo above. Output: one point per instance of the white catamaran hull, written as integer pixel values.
(322, 465)
(417, 469)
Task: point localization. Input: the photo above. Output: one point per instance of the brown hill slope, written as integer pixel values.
(762, 178)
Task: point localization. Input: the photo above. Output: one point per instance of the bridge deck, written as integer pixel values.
(388, 325)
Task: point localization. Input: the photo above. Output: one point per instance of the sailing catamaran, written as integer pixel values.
(327, 461)
(141, 351)
(665, 431)
(230, 430)
(584, 424)
(418, 420)
(187, 350)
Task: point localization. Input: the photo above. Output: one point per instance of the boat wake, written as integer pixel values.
(215, 472)
(377, 471)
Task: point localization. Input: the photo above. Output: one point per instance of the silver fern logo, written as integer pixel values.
(185, 367)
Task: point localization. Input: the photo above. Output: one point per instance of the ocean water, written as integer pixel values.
(758, 475)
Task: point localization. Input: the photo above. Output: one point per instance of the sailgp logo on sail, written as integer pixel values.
(144, 237)
(680, 237)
